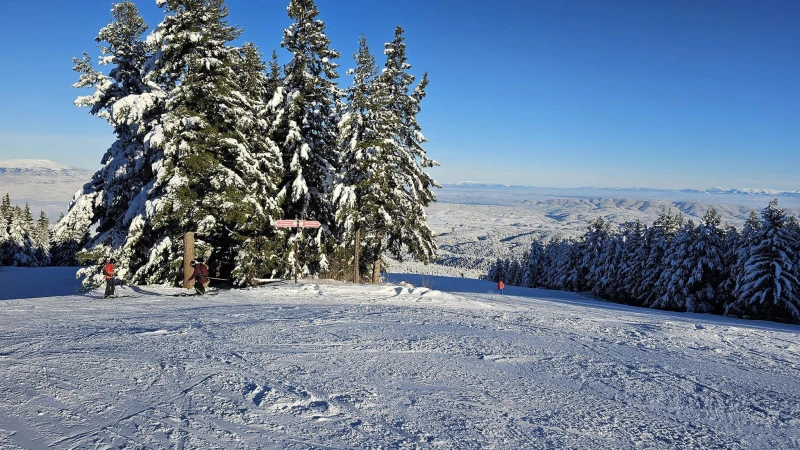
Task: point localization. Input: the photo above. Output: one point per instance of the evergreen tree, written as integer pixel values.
(590, 269)
(4, 240)
(707, 266)
(794, 231)
(358, 195)
(41, 240)
(217, 168)
(496, 272)
(672, 282)
(6, 212)
(6, 215)
(535, 265)
(406, 188)
(632, 261)
(658, 240)
(731, 237)
(129, 104)
(565, 266)
(274, 76)
(767, 287)
(305, 110)
(607, 278)
(22, 253)
(736, 257)
(515, 274)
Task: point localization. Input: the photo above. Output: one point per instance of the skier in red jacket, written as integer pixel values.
(108, 273)
(500, 287)
(200, 276)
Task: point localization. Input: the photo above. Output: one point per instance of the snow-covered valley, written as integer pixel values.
(330, 365)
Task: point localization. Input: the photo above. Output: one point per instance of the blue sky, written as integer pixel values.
(675, 94)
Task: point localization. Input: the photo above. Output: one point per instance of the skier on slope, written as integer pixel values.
(200, 276)
(108, 273)
(500, 287)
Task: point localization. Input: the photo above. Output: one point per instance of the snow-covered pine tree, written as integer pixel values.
(71, 232)
(41, 240)
(767, 287)
(260, 253)
(534, 265)
(658, 239)
(607, 278)
(738, 251)
(565, 266)
(215, 170)
(794, 231)
(6, 215)
(4, 239)
(675, 273)
(305, 111)
(408, 188)
(129, 104)
(21, 250)
(359, 194)
(632, 261)
(591, 246)
(515, 273)
(707, 266)
(6, 212)
(496, 271)
(552, 252)
(732, 237)
(274, 76)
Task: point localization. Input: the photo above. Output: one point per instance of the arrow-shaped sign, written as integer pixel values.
(283, 223)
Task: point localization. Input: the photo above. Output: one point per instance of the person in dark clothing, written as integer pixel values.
(200, 276)
(108, 273)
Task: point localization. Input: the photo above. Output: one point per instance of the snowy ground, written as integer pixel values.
(331, 365)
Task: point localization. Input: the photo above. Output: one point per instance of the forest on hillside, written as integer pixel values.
(675, 265)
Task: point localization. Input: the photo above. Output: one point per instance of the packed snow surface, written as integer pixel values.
(323, 364)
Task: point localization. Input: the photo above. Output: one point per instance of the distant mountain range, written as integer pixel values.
(44, 185)
(711, 191)
(39, 167)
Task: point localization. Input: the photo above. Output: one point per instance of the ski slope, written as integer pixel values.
(323, 364)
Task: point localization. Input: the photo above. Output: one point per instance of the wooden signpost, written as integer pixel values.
(299, 224)
(188, 256)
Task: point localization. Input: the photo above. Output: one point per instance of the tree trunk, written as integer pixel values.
(376, 268)
(188, 256)
(356, 263)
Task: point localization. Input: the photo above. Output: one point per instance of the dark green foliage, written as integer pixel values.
(676, 265)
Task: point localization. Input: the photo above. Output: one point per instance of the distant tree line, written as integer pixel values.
(675, 265)
(24, 242)
(211, 138)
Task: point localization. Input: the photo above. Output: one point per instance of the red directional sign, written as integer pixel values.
(288, 223)
(283, 223)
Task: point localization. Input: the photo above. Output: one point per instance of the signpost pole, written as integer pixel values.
(188, 256)
(285, 223)
(356, 274)
(297, 251)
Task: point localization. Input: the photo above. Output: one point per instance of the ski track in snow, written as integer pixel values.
(331, 365)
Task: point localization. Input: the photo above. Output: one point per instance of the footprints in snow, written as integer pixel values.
(292, 401)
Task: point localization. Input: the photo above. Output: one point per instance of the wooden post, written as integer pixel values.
(297, 251)
(356, 274)
(188, 256)
(376, 268)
